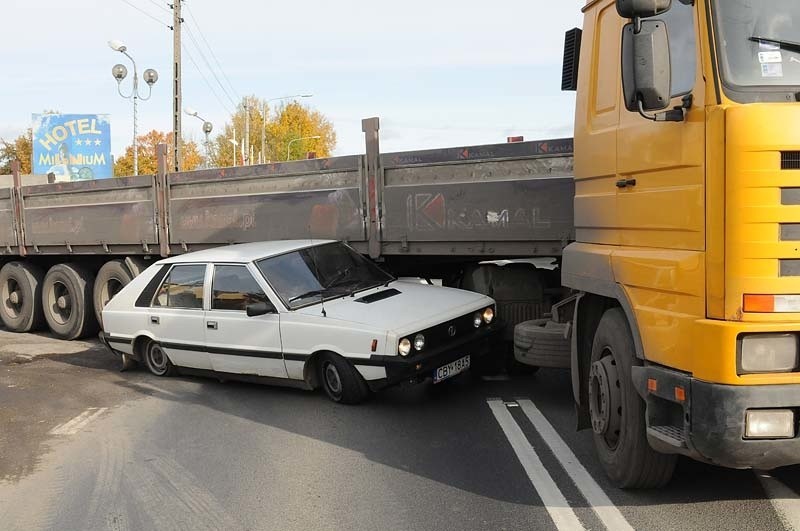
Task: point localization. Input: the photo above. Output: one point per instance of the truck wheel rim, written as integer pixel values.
(605, 399)
(12, 298)
(332, 379)
(109, 290)
(60, 302)
(157, 359)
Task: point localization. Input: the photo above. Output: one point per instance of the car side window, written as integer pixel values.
(183, 288)
(234, 288)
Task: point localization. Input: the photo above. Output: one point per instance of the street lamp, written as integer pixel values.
(264, 121)
(289, 147)
(207, 128)
(150, 77)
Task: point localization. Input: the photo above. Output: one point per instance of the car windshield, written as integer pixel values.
(759, 44)
(315, 274)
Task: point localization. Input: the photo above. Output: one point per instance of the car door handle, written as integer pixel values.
(154, 319)
(624, 183)
(212, 325)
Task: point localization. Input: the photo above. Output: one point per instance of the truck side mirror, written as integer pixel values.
(642, 8)
(646, 67)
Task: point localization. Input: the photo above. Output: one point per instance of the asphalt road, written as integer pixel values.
(83, 446)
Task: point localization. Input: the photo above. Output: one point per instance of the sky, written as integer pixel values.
(438, 73)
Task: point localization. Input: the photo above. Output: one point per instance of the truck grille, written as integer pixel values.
(790, 160)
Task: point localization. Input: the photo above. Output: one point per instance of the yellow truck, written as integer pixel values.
(686, 262)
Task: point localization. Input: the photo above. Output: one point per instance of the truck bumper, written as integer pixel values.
(709, 424)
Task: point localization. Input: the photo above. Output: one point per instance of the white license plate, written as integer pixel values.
(451, 369)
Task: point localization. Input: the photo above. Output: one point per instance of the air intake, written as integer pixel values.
(572, 55)
(790, 160)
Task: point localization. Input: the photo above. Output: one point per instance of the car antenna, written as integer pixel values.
(316, 270)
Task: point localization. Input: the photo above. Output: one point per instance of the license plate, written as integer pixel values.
(451, 369)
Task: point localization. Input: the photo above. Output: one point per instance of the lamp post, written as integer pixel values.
(235, 143)
(150, 77)
(289, 147)
(207, 128)
(264, 121)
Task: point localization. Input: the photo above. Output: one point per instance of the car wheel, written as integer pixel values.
(111, 278)
(157, 360)
(342, 382)
(67, 301)
(21, 297)
(618, 412)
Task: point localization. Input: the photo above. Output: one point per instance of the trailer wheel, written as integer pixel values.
(67, 301)
(20, 297)
(618, 412)
(111, 278)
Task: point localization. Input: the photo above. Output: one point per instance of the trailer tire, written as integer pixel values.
(67, 301)
(21, 297)
(618, 412)
(111, 278)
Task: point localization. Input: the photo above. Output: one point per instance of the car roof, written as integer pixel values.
(245, 252)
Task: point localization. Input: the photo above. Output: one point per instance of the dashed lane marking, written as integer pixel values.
(71, 427)
(556, 505)
(784, 499)
(607, 512)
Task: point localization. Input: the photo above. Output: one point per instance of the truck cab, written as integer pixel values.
(686, 264)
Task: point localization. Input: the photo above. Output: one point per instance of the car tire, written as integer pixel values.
(21, 297)
(618, 412)
(67, 301)
(341, 381)
(111, 278)
(157, 361)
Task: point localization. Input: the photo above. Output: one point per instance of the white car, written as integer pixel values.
(296, 313)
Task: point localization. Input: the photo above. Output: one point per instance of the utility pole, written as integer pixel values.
(176, 100)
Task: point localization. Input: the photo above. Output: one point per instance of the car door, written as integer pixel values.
(176, 316)
(235, 342)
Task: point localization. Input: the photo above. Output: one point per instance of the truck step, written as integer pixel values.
(671, 435)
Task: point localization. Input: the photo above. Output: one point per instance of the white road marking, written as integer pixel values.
(607, 512)
(73, 426)
(557, 507)
(785, 500)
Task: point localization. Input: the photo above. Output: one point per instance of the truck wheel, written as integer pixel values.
(541, 343)
(67, 301)
(21, 297)
(111, 278)
(342, 382)
(157, 360)
(618, 412)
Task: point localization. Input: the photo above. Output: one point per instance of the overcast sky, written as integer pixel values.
(437, 72)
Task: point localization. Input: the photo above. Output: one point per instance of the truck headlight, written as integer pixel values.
(419, 342)
(404, 347)
(488, 315)
(760, 353)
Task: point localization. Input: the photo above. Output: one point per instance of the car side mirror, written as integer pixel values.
(646, 66)
(260, 308)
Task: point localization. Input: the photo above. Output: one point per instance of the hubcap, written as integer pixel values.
(12, 297)
(158, 360)
(59, 300)
(605, 399)
(332, 379)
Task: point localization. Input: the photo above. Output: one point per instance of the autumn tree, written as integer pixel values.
(21, 148)
(148, 158)
(273, 128)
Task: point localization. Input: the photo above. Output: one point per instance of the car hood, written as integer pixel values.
(415, 307)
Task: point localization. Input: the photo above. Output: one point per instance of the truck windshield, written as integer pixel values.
(759, 46)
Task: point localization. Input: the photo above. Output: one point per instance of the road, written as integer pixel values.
(83, 446)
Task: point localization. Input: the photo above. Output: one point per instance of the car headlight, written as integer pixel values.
(419, 342)
(761, 353)
(477, 320)
(488, 315)
(404, 348)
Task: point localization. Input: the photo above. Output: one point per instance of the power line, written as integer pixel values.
(145, 13)
(208, 83)
(213, 55)
(160, 6)
(208, 65)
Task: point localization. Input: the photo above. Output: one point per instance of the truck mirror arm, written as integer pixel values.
(677, 114)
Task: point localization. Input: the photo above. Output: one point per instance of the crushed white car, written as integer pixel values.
(296, 313)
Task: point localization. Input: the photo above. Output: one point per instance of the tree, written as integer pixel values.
(148, 159)
(21, 148)
(276, 128)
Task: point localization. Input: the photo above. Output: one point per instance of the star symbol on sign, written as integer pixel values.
(78, 142)
(97, 142)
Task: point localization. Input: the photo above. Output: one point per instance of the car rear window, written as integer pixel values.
(183, 288)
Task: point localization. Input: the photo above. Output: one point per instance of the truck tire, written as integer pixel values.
(67, 301)
(21, 297)
(618, 412)
(541, 343)
(111, 278)
(341, 381)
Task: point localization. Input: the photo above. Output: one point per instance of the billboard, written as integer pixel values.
(75, 147)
